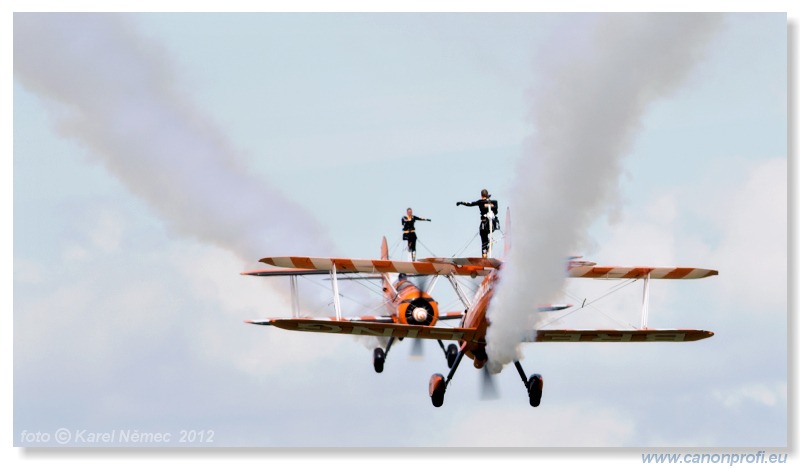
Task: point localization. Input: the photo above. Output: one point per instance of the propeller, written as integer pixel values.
(488, 387)
(416, 349)
(421, 312)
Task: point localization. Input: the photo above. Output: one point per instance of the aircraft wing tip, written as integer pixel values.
(258, 322)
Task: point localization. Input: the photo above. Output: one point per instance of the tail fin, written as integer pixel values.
(387, 285)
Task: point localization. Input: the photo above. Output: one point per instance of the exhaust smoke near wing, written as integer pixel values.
(596, 85)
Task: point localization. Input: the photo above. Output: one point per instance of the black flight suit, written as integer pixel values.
(484, 205)
(409, 233)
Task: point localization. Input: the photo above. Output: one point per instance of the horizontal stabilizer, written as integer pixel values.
(453, 315)
(549, 308)
(375, 329)
(294, 272)
(612, 335)
(341, 276)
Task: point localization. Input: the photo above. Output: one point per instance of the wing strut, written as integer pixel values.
(295, 300)
(335, 284)
(645, 301)
(458, 290)
(432, 284)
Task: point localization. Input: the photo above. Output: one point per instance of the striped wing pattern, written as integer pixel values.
(467, 266)
(345, 265)
(613, 272)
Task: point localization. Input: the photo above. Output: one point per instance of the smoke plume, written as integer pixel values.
(115, 94)
(597, 84)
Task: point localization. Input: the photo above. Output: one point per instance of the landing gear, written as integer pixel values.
(438, 383)
(436, 387)
(379, 356)
(451, 354)
(533, 385)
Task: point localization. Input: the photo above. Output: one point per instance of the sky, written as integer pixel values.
(157, 156)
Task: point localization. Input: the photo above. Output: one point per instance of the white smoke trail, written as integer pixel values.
(597, 85)
(116, 96)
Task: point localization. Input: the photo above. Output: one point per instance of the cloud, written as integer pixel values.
(752, 251)
(547, 426)
(761, 394)
(151, 338)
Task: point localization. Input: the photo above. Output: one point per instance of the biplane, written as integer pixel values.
(411, 312)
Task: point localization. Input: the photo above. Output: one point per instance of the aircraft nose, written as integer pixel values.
(420, 314)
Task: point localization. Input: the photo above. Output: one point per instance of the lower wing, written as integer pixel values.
(613, 335)
(370, 328)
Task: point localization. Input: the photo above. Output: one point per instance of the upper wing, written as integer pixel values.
(472, 266)
(375, 329)
(614, 272)
(347, 265)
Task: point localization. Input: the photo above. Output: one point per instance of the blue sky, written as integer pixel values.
(128, 307)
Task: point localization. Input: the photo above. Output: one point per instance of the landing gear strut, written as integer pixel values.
(379, 354)
(450, 353)
(438, 383)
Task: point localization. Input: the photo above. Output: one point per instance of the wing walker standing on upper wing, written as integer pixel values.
(413, 313)
(489, 220)
(409, 231)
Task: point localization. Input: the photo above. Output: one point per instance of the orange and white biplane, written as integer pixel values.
(413, 314)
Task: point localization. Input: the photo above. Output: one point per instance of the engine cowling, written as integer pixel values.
(414, 306)
(419, 311)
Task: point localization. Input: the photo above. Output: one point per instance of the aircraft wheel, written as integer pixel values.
(535, 386)
(436, 388)
(452, 353)
(378, 358)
